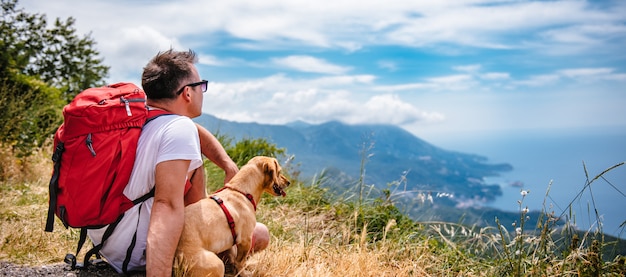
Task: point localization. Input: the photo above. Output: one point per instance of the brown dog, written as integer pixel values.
(206, 232)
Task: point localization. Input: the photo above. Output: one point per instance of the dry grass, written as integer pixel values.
(287, 258)
(313, 244)
(317, 243)
(23, 210)
(23, 239)
(304, 244)
(315, 236)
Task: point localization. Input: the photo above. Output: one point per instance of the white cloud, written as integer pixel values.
(129, 49)
(388, 65)
(279, 99)
(453, 82)
(348, 25)
(403, 87)
(495, 76)
(341, 80)
(310, 64)
(301, 33)
(585, 72)
(593, 74)
(538, 80)
(468, 68)
(621, 77)
(389, 108)
(209, 60)
(483, 26)
(588, 34)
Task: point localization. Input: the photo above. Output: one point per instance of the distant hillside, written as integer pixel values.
(394, 152)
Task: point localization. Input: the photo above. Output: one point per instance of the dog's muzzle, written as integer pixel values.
(278, 190)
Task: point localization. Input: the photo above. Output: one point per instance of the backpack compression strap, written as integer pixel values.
(54, 185)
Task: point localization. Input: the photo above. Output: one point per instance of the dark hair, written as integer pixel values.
(166, 72)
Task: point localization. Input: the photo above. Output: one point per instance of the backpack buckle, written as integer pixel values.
(70, 260)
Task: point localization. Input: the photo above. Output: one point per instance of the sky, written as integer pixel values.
(438, 69)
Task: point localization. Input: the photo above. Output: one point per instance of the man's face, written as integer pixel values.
(197, 96)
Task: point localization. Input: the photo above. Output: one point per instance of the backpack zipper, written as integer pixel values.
(89, 143)
(127, 102)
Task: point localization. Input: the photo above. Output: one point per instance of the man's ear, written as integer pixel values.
(186, 95)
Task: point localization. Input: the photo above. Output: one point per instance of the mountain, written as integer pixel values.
(391, 155)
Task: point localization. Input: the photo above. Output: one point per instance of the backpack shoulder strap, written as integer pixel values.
(153, 114)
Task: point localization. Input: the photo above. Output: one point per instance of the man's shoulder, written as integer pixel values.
(170, 121)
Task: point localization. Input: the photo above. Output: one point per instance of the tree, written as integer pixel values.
(30, 112)
(41, 69)
(56, 55)
(246, 149)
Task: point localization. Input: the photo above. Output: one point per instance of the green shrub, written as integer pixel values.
(30, 111)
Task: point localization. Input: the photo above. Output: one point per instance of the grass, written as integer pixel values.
(23, 209)
(318, 233)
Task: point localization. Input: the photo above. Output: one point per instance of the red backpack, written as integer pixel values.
(93, 158)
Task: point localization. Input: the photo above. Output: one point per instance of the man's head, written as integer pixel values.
(171, 76)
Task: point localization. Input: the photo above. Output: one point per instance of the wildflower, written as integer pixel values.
(524, 192)
(517, 252)
(518, 231)
(525, 210)
(421, 197)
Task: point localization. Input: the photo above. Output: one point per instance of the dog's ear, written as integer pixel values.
(276, 168)
(269, 168)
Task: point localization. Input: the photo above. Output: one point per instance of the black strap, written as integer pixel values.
(54, 185)
(131, 247)
(153, 114)
(107, 233)
(144, 197)
(81, 240)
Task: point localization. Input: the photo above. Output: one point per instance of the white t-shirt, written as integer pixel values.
(168, 137)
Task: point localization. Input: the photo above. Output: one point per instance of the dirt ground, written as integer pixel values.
(61, 269)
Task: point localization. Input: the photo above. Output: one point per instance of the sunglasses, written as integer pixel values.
(203, 84)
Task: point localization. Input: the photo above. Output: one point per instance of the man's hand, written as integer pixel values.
(214, 151)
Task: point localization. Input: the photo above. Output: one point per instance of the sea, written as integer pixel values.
(558, 168)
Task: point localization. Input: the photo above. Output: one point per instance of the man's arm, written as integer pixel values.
(167, 217)
(198, 186)
(214, 151)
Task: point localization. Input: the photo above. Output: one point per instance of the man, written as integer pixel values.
(168, 159)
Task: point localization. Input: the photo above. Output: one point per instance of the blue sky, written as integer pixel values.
(436, 68)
